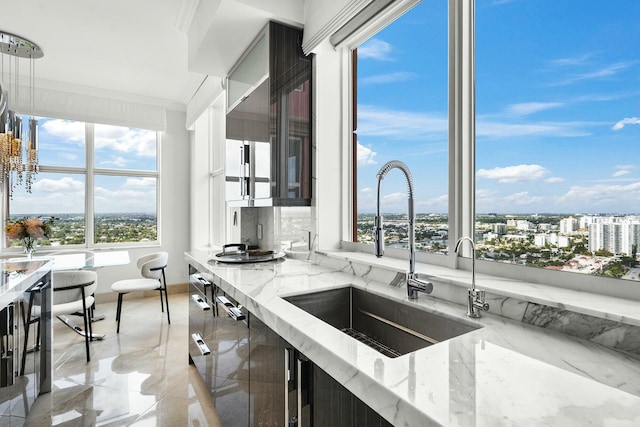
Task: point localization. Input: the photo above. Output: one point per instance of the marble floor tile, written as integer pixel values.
(136, 378)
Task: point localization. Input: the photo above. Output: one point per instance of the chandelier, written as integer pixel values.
(13, 171)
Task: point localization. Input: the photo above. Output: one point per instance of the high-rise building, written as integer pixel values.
(617, 235)
(569, 225)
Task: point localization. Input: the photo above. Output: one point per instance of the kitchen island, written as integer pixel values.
(19, 277)
(505, 373)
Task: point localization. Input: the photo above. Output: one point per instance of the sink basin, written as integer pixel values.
(391, 327)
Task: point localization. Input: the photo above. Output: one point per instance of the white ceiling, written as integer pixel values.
(134, 47)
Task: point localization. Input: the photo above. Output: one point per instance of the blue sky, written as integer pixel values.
(62, 143)
(557, 111)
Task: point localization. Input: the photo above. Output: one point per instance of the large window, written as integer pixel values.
(543, 101)
(99, 182)
(557, 132)
(402, 115)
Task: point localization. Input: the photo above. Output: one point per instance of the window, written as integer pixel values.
(541, 165)
(99, 182)
(557, 177)
(402, 114)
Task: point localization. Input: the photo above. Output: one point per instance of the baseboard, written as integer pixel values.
(176, 288)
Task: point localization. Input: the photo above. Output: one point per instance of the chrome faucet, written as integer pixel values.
(414, 283)
(475, 297)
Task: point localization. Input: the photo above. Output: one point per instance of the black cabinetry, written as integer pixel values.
(269, 121)
(244, 364)
(219, 349)
(333, 405)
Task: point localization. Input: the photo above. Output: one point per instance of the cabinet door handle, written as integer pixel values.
(201, 303)
(233, 311)
(204, 349)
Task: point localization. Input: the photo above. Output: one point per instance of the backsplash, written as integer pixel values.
(273, 228)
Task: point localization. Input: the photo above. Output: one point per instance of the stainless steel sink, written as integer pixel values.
(391, 327)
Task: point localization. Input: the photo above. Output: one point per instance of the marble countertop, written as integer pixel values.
(17, 275)
(504, 374)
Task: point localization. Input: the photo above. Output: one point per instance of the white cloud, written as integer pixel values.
(366, 156)
(400, 76)
(626, 121)
(65, 185)
(573, 60)
(485, 126)
(375, 49)
(68, 130)
(514, 174)
(609, 197)
(140, 183)
(401, 124)
(119, 162)
(433, 204)
(393, 197)
(524, 199)
(68, 156)
(126, 140)
(607, 71)
(527, 108)
(554, 179)
(621, 173)
(134, 196)
(366, 190)
(622, 170)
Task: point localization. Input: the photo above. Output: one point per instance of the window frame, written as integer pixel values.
(89, 171)
(461, 212)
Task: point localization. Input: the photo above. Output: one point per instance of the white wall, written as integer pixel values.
(328, 142)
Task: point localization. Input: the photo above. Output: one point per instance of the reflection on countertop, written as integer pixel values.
(17, 274)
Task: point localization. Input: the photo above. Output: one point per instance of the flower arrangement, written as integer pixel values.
(29, 231)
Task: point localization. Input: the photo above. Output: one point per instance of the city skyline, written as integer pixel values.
(554, 77)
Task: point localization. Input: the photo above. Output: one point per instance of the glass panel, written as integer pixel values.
(402, 114)
(60, 142)
(299, 147)
(557, 179)
(54, 195)
(253, 68)
(125, 209)
(118, 147)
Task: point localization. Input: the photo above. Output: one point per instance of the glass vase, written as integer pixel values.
(29, 246)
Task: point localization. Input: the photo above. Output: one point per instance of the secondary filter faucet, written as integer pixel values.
(475, 297)
(414, 283)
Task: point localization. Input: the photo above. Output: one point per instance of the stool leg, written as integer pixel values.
(119, 312)
(166, 295)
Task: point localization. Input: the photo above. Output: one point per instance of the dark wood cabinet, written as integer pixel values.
(269, 121)
(269, 377)
(333, 405)
(219, 349)
(256, 378)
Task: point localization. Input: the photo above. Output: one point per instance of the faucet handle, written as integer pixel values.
(478, 299)
(378, 236)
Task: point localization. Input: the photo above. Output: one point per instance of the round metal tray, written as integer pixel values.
(243, 258)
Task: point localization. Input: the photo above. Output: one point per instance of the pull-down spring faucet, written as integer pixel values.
(475, 297)
(414, 283)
